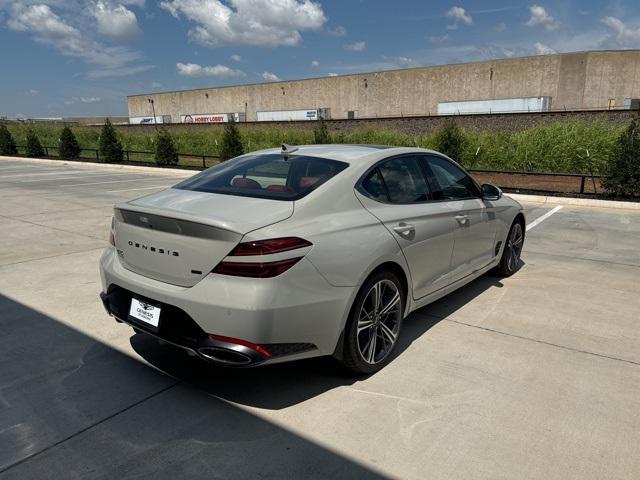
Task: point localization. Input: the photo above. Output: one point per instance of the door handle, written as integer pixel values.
(404, 229)
(462, 219)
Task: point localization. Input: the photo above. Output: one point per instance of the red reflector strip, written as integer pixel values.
(244, 343)
(255, 269)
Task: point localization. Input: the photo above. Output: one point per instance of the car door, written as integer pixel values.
(397, 193)
(475, 229)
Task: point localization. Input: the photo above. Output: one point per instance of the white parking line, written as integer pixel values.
(100, 183)
(75, 178)
(73, 172)
(143, 188)
(22, 169)
(542, 218)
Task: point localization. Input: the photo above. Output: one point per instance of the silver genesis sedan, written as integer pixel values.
(297, 252)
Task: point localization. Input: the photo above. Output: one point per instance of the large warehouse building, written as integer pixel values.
(587, 80)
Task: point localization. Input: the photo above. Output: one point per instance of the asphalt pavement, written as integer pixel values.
(532, 377)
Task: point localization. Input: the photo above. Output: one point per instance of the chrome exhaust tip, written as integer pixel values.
(224, 356)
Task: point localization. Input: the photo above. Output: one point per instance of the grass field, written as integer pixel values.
(571, 146)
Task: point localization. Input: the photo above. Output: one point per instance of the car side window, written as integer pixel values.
(449, 182)
(404, 180)
(374, 186)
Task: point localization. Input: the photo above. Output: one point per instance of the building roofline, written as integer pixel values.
(325, 77)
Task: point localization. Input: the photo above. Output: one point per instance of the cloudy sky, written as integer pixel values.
(82, 57)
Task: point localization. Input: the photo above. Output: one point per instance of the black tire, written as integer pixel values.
(383, 325)
(510, 260)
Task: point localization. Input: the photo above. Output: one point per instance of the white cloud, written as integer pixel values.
(73, 100)
(438, 40)
(331, 74)
(337, 31)
(134, 3)
(315, 63)
(156, 85)
(119, 23)
(40, 18)
(195, 70)
(270, 77)
(48, 28)
(118, 71)
(541, 18)
(458, 15)
(236, 58)
(623, 35)
(401, 62)
(262, 23)
(542, 49)
(356, 47)
(33, 92)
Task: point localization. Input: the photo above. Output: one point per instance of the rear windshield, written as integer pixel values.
(265, 176)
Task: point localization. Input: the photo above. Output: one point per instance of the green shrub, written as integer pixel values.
(574, 146)
(7, 143)
(320, 133)
(69, 147)
(623, 173)
(34, 147)
(110, 147)
(165, 150)
(231, 142)
(450, 140)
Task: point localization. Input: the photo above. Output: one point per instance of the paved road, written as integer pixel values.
(532, 377)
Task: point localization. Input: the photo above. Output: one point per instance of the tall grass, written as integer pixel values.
(572, 146)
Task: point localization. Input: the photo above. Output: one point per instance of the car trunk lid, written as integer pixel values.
(179, 236)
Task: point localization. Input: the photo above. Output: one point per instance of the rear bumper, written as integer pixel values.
(295, 315)
(181, 331)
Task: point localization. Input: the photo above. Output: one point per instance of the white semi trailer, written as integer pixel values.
(293, 115)
(150, 120)
(527, 104)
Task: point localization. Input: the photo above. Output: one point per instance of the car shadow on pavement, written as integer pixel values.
(74, 407)
(281, 385)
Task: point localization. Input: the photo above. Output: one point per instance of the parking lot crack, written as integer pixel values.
(51, 256)
(556, 345)
(89, 427)
(52, 228)
(572, 257)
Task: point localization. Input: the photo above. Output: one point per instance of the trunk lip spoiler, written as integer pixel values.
(147, 218)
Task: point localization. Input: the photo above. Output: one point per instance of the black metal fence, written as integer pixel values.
(543, 182)
(136, 157)
(581, 183)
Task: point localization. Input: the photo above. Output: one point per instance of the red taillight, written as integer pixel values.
(265, 268)
(255, 269)
(244, 343)
(266, 247)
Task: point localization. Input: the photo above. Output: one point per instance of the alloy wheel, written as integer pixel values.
(379, 322)
(514, 246)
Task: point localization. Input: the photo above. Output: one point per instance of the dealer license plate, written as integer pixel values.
(145, 312)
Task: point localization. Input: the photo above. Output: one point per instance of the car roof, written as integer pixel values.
(347, 152)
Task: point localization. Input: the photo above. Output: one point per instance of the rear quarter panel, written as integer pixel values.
(348, 241)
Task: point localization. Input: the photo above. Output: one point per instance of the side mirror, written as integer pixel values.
(491, 192)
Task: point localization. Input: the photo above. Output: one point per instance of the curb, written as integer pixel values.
(106, 166)
(579, 202)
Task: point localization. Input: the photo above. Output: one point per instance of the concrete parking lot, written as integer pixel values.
(532, 377)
